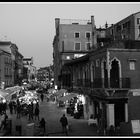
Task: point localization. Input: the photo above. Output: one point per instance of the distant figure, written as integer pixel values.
(43, 125)
(18, 111)
(11, 107)
(37, 104)
(30, 109)
(42, 97)
(111, 131)
(64, 123)
(15, 106)
(4, 118)
(36, 112)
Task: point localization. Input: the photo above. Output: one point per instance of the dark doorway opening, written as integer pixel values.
(119, 110)
(114, 74)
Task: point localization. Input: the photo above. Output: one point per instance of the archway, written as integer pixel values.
(114, 74)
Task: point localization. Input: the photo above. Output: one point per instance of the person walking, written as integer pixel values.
(43, 125)
(30, 109)
(42, 97)
(15, 106)
(11, 107)
(64, 123)
(18, 111)
(36, 113)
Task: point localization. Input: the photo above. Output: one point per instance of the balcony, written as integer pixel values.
(98, 83)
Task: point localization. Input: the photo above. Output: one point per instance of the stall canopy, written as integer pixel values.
(68, 97)
(3, 93)
(13, 89)
(60, 92)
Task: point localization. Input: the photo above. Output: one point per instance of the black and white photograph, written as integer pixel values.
(69, 69)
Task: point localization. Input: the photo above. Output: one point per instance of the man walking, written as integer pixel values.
(42, 97)
(64, 123)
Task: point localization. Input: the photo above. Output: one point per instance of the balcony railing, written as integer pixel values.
(103, 83)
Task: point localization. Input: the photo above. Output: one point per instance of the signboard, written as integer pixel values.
(136, 93)
(135, 126)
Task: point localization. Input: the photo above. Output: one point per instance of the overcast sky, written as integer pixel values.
(31, 26)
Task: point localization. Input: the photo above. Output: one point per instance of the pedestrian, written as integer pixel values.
(30, 111)
(11, 107)
(37, 104)
(18, 111)
(43, 125)
(4, 118)
(37, 112)
(42, 97)
(111, 131)
(64, 123)
(15, 106)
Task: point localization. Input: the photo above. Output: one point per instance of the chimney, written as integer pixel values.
(57, 22)
(94, 35)
(106, 25)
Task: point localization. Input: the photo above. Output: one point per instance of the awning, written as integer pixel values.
(15, 88)
(3, 93)
(60, 92)
(68, 97)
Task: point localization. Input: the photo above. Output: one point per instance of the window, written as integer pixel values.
(138, 20)
(88, 35)
(77, 35)
(62, 46)
(132, 64)
(139, 31)
(118, 28)
(97, 63)
(88, 46)
(77, 46)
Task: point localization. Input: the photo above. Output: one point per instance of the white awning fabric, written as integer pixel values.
(3, 93)
(60, 92)
(68, 97)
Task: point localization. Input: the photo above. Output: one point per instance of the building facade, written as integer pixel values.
(45, 75)
(73, 39)
(16, 57)
(105, 77)
(30, 69)
(126, 29)
(6, 73)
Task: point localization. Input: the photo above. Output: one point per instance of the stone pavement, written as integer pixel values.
(52, 114)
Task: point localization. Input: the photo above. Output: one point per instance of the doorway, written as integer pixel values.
(114, 74)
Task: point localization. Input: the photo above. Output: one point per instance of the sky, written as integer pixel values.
(31, 25)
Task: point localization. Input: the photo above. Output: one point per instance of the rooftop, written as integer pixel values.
(75, 21)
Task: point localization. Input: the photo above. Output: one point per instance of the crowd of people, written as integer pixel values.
(20, 108)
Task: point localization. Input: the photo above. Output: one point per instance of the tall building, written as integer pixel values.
(6, 73)
(126, 29)
(17, 63)
(73, 39)
(45, 74)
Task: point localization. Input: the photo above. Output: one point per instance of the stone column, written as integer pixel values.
(126, 112)
(110, 115)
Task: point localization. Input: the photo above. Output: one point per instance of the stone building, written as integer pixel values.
(73, 39)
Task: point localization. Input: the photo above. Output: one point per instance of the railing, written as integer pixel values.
(103, 83)
(74, 21)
